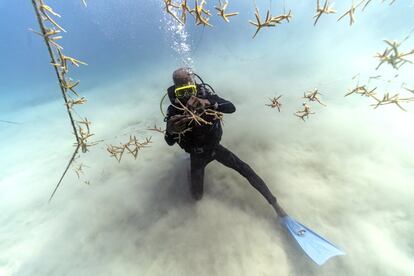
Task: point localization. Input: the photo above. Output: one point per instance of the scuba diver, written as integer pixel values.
(202, 141)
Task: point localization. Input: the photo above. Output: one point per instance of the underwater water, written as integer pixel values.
(347, 171)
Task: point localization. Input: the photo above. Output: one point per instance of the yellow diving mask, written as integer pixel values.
(185, 91)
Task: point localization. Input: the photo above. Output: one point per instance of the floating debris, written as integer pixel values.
(368, 1)
(374, 77)
(9, 122)
(409, 90)
(355, 76)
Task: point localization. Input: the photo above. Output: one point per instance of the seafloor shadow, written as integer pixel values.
(170, 191)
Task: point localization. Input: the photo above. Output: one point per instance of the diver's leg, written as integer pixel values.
(229, 159)
(198, 164)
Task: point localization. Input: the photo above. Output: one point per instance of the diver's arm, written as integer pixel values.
(221, 104)
(170, 138)
(216, 102)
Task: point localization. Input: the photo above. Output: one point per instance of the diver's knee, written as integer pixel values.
(196, 193)
(197, 196)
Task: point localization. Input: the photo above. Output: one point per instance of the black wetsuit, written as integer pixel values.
(203, 144)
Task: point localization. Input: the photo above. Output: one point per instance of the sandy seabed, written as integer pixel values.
(347, 177)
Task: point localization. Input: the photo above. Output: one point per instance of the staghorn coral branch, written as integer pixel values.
(52, 56)
(313, 95)
(304, 113)
(199, 10)
(270, 21)
(44, 13)
(132, 146)
(222, 11)
(168, 5)
(327, 9)
(275, 103)
(51, 20)
(157, 129)
(71, 102)
(194, 117)
(392, 100)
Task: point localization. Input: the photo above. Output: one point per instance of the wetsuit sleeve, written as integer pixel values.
(170, 138)
(220, 104)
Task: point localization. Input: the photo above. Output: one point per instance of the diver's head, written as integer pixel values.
(183, 76)
(184, 84)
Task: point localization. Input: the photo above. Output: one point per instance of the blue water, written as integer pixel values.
(133, 30)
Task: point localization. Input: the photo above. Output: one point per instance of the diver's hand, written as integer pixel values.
(177, 123)
(197, 103)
